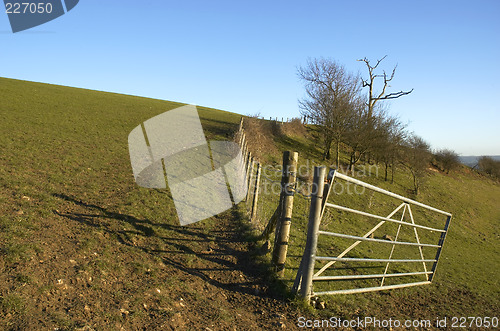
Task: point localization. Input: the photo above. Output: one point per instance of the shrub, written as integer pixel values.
(446, 160)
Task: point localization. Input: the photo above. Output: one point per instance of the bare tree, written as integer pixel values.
(416, 158)
(331, 92)
(374, 97)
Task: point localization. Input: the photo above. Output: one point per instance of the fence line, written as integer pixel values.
(280, 221)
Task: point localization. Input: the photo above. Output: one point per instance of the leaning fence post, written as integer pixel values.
(255, 194)
(312, 232)
(288, 179)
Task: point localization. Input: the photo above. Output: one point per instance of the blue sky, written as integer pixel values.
(243, 56)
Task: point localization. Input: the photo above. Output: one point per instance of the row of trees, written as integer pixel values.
(351, 115)
(489, 166)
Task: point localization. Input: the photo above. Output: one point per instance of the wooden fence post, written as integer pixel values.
(247, 165)
(242, 140)
(288, 179)
(255, 194)
(241, 124)
(244, 149)
(250, 177)
(241, 136)
(239, 133)
(312, 233)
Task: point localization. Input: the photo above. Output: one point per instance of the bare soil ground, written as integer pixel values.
(203, 279)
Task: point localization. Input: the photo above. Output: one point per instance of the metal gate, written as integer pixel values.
(321, 191)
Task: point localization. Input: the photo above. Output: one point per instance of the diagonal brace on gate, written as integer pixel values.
(366, 235)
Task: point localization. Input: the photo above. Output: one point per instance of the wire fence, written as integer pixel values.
(266, 207)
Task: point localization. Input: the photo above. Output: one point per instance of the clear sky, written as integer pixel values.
(242, 56)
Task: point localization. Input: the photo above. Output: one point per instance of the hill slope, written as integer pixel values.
(82, 245)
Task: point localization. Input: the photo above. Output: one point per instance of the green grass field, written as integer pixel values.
(80, 241)
(77, 235)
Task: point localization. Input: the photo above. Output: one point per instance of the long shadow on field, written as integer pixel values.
(226, 255)
(212, 126)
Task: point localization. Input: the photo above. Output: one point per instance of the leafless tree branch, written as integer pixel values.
(370, 83)
(395, 95)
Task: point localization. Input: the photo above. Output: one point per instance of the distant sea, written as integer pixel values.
(472, 160)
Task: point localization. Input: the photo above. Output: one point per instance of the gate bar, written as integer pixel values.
(355, 259)
(381, 217)
(376, 240)
(372, 289)
(394, 195)
(401, 274)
